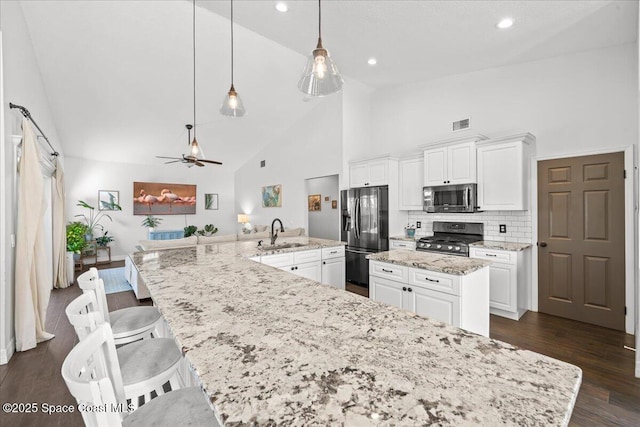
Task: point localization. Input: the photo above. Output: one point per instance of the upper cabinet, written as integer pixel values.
(503, 172)
(369, 173)
(411, 181)
(451, 162)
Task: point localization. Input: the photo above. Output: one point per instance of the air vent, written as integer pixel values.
(263, 163)
(463, 124)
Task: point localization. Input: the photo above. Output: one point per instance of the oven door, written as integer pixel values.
(450, 198)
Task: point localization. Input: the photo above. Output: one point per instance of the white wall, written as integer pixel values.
(84, 178)
(22, 85)
(325, 223)
(356, 125)
(312, 147)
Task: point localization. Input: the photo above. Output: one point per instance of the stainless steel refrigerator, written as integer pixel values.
(365, 228)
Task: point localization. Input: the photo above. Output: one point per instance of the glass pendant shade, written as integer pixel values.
(195, 152)
(232, 104)
(320, 76)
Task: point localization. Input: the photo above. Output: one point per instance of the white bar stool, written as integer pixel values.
(145, 365)
(92, 374)
(128, 324)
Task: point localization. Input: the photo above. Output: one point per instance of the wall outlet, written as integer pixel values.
(503, 228)
(418, 224)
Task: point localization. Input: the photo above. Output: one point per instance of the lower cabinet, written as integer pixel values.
(310, 270)
(135, 280)
(402, 244)
(324, 265)
(509, 285)
(333, 272)
(461, 301)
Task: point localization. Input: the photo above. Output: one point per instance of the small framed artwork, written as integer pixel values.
(334, 204)
(108, 200)
(326, 198)
(272, 196)
(314, 202)
(211, 201)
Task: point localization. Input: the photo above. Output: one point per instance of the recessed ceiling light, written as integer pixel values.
(505, 23)
(372, 61)
(281, 6)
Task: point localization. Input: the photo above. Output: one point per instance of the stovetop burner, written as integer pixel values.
(452, 238)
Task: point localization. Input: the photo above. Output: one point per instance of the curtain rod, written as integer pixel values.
(27, 114)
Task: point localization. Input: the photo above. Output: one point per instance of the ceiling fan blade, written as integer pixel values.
(210, 161)
(172, 161)
(197, 163)
(164, 157)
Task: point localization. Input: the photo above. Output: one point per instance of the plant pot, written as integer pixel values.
(410, 232)
(76, 257)
(88, 237)
(70, 258)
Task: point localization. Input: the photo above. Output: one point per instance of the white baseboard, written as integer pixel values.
(6, 353)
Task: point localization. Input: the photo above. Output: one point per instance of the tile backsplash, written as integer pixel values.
(519, 227)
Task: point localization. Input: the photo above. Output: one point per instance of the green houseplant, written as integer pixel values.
(75, 237)
(93, 219)
(190, 230)
(151, 222)
(209, 230)
(104, 240)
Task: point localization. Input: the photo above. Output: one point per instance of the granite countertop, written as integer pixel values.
(502, 246)
(271, 348)
(458, 265)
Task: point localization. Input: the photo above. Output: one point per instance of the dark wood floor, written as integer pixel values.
(610, 395)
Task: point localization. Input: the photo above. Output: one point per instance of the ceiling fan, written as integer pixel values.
(192, 158)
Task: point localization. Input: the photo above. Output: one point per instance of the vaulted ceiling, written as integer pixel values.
(118, 74)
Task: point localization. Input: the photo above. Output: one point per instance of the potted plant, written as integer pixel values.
(92, 219)
(104, 240)
(151, 222)
(209, 230)
(76, 241)
(190, 230)
(410, 230)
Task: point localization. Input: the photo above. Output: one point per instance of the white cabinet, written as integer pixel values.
(134, 278)
(333, 267)
(461, 301)
(509, 286)
(304, 263)
(368, 173)
(503, 173)
(409, 245)
(410, 182)
(451, 162)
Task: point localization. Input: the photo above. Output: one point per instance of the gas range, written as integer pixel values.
(452, 238)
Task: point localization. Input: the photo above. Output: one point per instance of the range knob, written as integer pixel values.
(457, 248)
(427, 245)
(438, 246)
(449, 247)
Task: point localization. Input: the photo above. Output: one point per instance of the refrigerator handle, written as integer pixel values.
(357, 218)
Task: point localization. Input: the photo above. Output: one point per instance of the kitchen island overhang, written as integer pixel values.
(271, 347)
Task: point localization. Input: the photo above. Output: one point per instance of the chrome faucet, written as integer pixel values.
(274, 235)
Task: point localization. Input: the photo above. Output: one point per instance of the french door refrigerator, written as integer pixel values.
(365, 228)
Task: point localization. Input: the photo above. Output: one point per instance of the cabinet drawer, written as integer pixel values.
(505, 257)
(335, 252)
(278, 260)
(402, 244)
(306, 256)
(435, 281)
(390, 271)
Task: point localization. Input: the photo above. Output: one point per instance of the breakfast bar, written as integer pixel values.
(272, 348)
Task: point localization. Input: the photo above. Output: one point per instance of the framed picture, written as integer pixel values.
(334, 204)
(211, 201)
(108, 200)
(314, 202)
(156, 198)
(272, 196)
(326, 198)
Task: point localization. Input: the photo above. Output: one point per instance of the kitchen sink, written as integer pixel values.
(282, 245)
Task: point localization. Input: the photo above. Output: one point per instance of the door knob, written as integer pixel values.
(542, 244)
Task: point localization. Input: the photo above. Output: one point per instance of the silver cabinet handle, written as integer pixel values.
(432, 280)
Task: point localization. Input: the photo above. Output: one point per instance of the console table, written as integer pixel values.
(93, 254)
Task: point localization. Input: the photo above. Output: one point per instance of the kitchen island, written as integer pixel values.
(271, 348)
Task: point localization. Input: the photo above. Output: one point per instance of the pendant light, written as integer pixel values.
(321, 76)
(232, 104)
(196, 151)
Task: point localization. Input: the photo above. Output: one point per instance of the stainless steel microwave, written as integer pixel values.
(450, 198)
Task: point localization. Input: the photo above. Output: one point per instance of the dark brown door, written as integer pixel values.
(581, 239)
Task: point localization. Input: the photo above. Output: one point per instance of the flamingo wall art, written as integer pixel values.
(154, 198)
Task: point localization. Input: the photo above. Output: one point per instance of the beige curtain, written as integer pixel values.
(59, 232)
(32, 289)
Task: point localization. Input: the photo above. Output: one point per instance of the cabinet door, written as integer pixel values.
(435, 166)
(502, 287)
(461, 163)
(501, 177)
(386, 291)
(333, 272)
(278, 260)
(411, 181)
(310, 270)
(358, 174)
(402, 244)
(378, 172)
(128, 265)
(436, 305)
